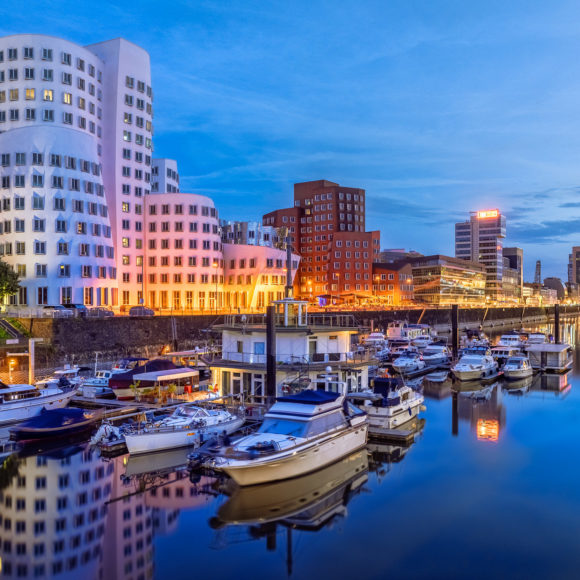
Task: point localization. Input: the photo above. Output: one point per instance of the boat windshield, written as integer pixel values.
(471, 360)
(284, 427)
(189, 412)
(515, 361)
(430, 351)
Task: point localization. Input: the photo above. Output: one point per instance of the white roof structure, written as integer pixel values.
(167, 375)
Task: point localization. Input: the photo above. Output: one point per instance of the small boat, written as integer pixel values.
(56, 424)
(98, 385)
(512, 339)
(517, 367)
(390, 404)
(422, 341)
(503, 353)
(475, 366)
(300, 434)
(436, 354)
(21, 402)
(408, 362)
(189, 425)
(376, 339)
(68, 375)
(537, 338)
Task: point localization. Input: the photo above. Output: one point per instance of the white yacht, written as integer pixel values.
(436, 354)
(517, 367)
(473, 366)
(408, 362)
(187, 426)
(98, 385)
(512, 339)
(503, 353)
(300, 434)
(422, 341)
(20, 402)
(390, 404)
(376, 339)
(537, 338)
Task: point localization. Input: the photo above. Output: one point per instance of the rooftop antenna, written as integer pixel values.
(538, 275)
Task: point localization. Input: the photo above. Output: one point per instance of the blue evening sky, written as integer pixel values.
(434, 107)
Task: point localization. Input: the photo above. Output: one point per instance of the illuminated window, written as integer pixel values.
(67, 98)
(48, 95)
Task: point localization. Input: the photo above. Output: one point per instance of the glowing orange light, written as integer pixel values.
(488, 213)
(487, 429)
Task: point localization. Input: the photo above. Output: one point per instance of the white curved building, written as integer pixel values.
(75, 164)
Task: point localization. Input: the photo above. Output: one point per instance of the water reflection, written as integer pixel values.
(53, 515)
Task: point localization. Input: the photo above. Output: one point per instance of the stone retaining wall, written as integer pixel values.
(121, 336)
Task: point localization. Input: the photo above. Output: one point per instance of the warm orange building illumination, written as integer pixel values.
(487, 429)
(488, 213)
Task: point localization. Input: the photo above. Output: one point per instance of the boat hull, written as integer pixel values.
(12, 412)
(297, 462)
(149, 442)
(517, 374)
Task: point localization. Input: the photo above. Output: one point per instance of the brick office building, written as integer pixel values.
(326, 227)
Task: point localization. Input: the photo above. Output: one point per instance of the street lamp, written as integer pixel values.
(215, 297)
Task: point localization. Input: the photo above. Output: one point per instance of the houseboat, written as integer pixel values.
(308, 348)
(550, 357)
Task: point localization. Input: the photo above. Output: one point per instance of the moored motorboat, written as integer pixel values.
(390, 403)
(300, 434)
(65, 377)
(408, 362)
(189, 425)
(55, 424)
(472, 366)
(517, 367)
(502, 354)
(513, 339)
(436, 354)
(20, 402)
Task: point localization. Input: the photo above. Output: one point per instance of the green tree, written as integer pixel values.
(9, 281)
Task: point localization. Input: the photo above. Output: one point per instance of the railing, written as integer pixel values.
(291, 359)
(318, 319)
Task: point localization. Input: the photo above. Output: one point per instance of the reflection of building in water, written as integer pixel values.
(555, 383)
(53, 516)
(128, 550)
(484, 410)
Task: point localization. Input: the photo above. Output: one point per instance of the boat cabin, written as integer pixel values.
(550, 357)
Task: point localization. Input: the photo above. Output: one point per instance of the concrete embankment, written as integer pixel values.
(115, 337)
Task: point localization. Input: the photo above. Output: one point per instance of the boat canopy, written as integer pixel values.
(309, 397)
(167, 375)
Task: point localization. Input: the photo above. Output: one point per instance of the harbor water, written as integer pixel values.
(489, 488)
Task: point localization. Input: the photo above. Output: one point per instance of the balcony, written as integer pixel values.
(257, 321)
(290, 361)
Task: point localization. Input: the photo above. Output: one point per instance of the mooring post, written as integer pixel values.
(454, 330)
(454, 415)
(557, 323)
(270, 355)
